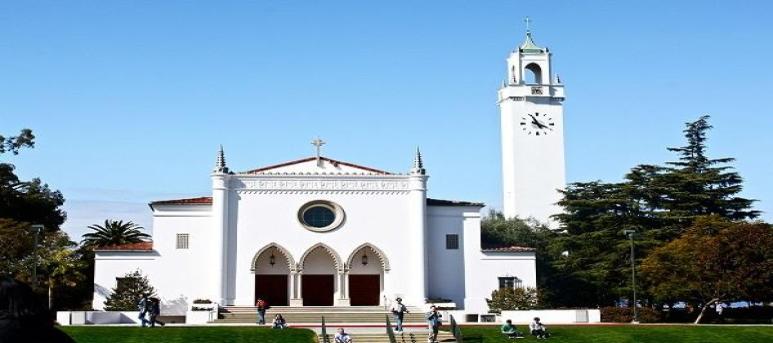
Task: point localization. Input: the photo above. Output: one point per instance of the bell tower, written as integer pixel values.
(532, 122)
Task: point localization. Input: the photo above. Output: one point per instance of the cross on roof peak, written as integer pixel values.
(318, 143)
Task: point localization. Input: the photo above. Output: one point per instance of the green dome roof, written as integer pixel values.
(529, 46)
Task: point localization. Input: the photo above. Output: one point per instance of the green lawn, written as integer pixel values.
(596, 334)
(208, 334)
(637, 334)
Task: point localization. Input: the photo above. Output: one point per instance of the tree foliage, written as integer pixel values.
(513, 298)
(13, 144)
(658, 202)
(114, 232)
(715, 260)
(128, 292)
(498, 231)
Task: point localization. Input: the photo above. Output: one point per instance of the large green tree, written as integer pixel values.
(113, 232)
(59, 266)
(715, 260)
(657, 202)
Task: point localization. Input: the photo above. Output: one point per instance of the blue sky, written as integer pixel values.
(129, 99)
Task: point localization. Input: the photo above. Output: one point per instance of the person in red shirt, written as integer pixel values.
(262, 306)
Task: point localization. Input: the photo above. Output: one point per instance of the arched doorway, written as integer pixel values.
(272, 266)
(319, 266)
(367, 265)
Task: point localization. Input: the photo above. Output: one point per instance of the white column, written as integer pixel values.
(220, 235)
(418, 229)
(297, 300)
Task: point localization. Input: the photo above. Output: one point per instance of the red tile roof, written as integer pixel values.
(199, 200)
(332, 161)
(513, 248)
(440, 202)
(140, 246)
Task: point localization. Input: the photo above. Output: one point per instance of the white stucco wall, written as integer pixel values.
(178, 275)
(379, 218)
(446, 267)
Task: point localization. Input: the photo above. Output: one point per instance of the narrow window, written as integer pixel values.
(452, 242)
(182, 241)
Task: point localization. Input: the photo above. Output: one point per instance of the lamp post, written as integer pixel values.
(38, 229)
(630, 234)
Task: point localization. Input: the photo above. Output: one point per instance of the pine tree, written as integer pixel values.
(697, 185)
(128, 292)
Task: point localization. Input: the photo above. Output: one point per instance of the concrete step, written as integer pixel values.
(316, 317)
(313, 309)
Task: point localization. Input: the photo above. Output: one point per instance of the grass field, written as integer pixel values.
(569, 334)
(199, 334)
(637, 334)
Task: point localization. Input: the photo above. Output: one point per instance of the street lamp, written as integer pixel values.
(38, 229)
(630, 234)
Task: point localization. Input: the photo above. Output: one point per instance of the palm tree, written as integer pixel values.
(114, 232)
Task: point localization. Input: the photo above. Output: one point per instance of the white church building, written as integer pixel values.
(323, 232)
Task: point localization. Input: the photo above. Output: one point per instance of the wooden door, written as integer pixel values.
(317, 290)
(272, 288)
(364, 290)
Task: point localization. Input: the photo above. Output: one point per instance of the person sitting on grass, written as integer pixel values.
(279, 322)
(510, 331)
(342, 337)
(538, 330)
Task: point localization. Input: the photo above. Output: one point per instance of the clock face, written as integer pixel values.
(537, 124)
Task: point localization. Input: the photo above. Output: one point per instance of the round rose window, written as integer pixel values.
(321, 215)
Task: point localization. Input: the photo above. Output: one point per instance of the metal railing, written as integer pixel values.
(389, 330)
(325, 338)
(455, 330)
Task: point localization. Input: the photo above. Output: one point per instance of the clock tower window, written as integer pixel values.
(534, 74)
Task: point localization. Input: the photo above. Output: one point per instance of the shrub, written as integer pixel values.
(128, 292)
(505, 299)
(625, 315)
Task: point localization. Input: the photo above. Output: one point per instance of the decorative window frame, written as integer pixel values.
(338, 211)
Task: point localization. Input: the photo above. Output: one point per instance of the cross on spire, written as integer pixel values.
(318, 143)
(528, 22)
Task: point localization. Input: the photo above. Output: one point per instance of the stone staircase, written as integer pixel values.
(405, 337)
(363, 315)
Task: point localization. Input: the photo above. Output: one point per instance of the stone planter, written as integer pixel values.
(200, 317)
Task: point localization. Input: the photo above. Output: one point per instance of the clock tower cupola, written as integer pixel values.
(532, 122)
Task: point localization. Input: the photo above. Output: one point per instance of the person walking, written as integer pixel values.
(155, 311)
(261, 306)
(143, 305)
(399, 310)
(434, 322)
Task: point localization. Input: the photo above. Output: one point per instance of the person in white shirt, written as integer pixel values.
(399, 310)
(342, 337)
(538, 330)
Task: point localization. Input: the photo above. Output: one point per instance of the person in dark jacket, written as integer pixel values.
(155, 311)
(23, 318)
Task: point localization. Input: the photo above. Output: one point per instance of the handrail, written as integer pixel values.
(325, 338)
(455, 330)
(389, 330)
